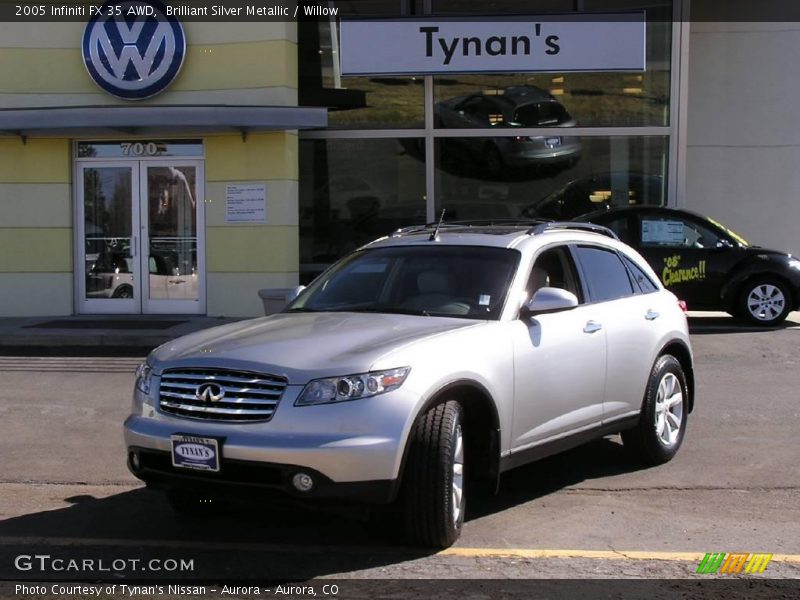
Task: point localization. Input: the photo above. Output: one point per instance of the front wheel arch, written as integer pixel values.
(481, 425)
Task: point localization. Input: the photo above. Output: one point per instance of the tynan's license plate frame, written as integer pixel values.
(195, 452)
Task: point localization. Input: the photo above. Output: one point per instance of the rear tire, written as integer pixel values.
(662, 423)
(123, 291)
(765, 301)
(433, 484)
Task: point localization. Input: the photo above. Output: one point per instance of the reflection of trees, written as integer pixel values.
(106, 215)
(119, 218)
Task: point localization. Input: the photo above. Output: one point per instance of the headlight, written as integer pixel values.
(143, 374)
(351, 387)
(794, 264)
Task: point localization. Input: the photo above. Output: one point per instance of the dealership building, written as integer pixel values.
(180, 165)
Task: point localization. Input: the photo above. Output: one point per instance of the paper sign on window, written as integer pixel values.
(662, 232)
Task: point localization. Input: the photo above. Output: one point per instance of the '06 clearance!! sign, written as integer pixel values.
(561, 43)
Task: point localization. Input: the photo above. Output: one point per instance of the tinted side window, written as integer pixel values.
(640, 277)
(554, 268)
(605, 274)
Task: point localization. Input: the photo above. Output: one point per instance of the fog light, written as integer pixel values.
(136, 462)
(302, 482)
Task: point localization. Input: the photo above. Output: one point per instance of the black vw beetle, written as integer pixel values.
(708, 265)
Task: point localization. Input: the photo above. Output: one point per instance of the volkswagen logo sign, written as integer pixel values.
(210, 392)
(132, 50)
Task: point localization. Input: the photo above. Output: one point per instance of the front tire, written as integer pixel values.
(433, 483)
(662, 423)
(765, 301)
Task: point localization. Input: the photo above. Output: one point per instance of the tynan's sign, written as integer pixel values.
(132, 50)
(560, 43)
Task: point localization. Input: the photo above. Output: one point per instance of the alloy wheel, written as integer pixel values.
(766, 302)
(669, 409)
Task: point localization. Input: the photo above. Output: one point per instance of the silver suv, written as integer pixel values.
(420, 365)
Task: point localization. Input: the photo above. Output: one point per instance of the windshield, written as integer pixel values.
(730, 232)
(453, 281)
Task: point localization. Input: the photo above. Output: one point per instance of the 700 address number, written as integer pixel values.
(139, 149)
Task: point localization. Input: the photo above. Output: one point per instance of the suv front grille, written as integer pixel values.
(220, 394)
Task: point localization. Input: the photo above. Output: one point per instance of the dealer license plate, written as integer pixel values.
(195, 452)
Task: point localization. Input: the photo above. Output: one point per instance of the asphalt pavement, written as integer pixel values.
(588, 513)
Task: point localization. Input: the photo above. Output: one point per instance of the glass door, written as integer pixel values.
(107, 248)
(172, 242)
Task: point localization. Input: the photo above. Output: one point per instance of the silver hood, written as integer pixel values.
(303, 346)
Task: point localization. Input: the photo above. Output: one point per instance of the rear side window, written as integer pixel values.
(644, 282)
(605, 273)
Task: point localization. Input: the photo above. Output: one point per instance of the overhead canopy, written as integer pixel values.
(129, 120)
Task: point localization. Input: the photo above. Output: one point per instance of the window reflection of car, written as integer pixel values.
(170, 280)
(511, 107)
(708, 265)
(596, 191)
(110, 276)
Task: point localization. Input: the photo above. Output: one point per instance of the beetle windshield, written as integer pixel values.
(454, 281)
(739, 239)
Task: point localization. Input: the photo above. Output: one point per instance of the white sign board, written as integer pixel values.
(669, 233)
(246, 203)
(560, 43)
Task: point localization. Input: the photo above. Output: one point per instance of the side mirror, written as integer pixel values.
(294, 293)
(549, 300)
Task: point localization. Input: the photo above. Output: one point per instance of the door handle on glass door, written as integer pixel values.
(651, 315)
(591, 327)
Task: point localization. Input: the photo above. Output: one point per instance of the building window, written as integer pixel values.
(556, 145)
(551, 176)
(353, 191)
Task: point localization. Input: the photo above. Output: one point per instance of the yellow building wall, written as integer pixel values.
(36, 233)
(246, 257)
(226, 63)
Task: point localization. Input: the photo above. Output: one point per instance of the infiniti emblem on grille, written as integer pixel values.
(210, 392)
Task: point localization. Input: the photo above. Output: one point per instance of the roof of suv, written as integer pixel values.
(496, 234)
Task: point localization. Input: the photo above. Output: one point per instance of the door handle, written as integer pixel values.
(591, 327)
(133, 247)
(652, 315)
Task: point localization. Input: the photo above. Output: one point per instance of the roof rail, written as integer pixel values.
(543, 227)
(526, 222)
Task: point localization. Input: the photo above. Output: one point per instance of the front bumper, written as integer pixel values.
(352, 450)
(247, 479)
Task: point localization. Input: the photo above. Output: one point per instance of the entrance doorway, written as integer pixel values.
(140, 230)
